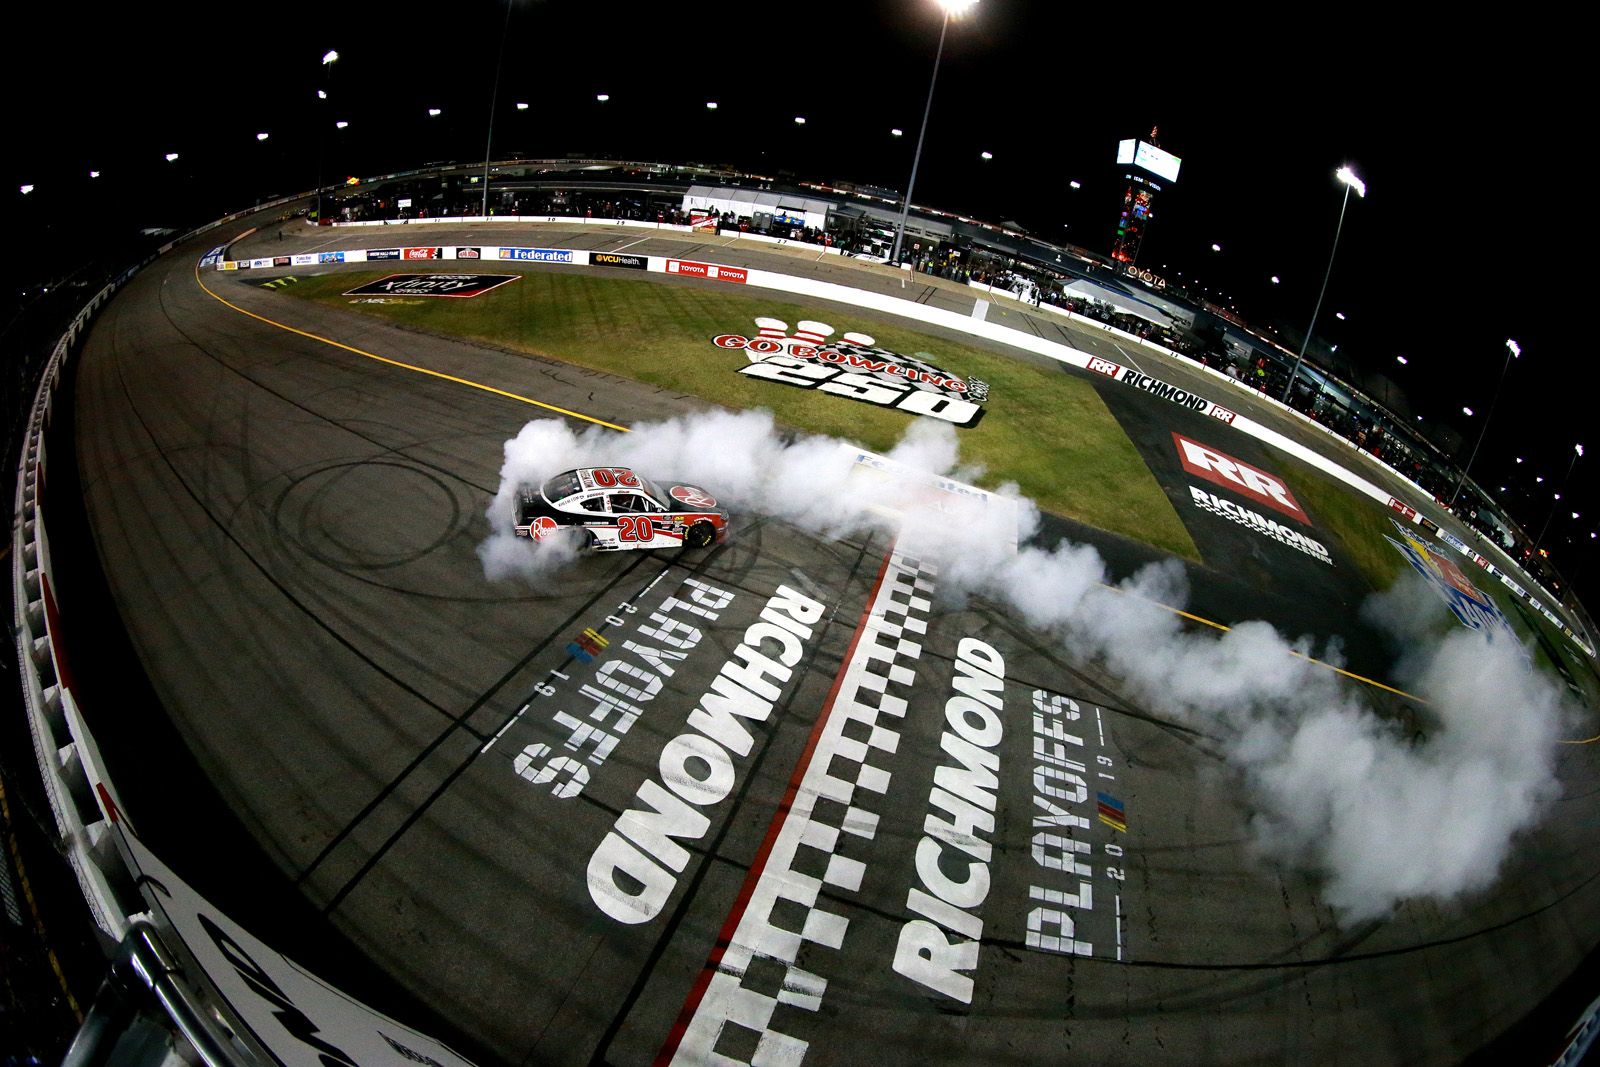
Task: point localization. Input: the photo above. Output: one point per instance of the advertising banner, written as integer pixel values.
(375, 254)
(539, 255)
(708, 270)
(854, 367)
(468, 252)
(456, 285)
(422, 253)
(1157, 387)
(613, 259)
(300, 1019)
(1237, 476)
(1471, 607)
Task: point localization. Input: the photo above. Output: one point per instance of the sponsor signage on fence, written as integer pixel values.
(1403, 508)
(422, 253)
(613, 259)
(855, 368)
(1235, 475)
(539, 255)
(1471, 607)
(468, 252)
(457, 285)
(708, 270)
(382, 253)
(330, 257)
(1157, 387)
(280, 261)
(1155, 281)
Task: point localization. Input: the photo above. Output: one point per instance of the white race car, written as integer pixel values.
(612, 508)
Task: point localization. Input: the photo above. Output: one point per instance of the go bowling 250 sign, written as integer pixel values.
(855, 368)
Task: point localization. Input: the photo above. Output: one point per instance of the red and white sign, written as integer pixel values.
(1104, 366)
(1222, 414)
(421, 253)
(708, 270)
(695, 498)
(1405, 509)
(1221, 469)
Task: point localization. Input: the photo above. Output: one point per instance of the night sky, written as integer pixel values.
(1464, 131)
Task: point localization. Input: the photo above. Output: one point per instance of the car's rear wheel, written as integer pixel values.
(699, 535)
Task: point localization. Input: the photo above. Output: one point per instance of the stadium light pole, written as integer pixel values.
(1577, 451)
(951, 7)
(1513, 350)
(329, 58)
(1348, 177)
(488, 147)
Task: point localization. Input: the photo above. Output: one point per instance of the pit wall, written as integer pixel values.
(973, 324)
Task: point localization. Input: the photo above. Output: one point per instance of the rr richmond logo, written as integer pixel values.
(853, 367)
(1219, 468)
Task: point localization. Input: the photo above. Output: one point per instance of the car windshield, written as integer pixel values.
(655, 491)
(561, 486)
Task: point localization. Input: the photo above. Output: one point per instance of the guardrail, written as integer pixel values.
(184, 950)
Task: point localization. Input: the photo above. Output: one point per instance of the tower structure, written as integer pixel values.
(1143, 163)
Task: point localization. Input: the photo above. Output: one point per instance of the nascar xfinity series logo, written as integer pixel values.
(1470, 606)
(855, 368)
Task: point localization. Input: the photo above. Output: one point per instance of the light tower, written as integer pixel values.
(1140, 160)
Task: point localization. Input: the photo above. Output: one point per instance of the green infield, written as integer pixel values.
(1048, 432)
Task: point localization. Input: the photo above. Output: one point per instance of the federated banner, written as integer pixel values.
(540, 255)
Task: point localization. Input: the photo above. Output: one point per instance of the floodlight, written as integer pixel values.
(1348, 176)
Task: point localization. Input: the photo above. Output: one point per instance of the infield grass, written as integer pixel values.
(1048, 432)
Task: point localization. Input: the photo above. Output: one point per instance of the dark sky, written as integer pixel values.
(1468, 132)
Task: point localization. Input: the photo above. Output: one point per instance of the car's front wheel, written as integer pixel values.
(699, 535)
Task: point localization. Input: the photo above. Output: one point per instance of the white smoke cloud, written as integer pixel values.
(1380, 814)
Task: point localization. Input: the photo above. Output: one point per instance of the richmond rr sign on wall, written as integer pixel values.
(855, 368)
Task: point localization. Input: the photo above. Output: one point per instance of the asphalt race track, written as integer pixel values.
(288, 530)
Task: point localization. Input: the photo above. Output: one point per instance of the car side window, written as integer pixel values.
(596, 504)
(628, 503)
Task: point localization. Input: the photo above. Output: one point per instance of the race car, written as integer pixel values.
(611, 508)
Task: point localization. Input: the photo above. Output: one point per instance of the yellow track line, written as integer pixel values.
(408, 366)
(613, 426)
(1309, 659)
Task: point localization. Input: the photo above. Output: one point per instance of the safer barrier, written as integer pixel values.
(971, 324)
(186, 951)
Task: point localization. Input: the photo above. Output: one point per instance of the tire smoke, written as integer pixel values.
(1324, 772)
